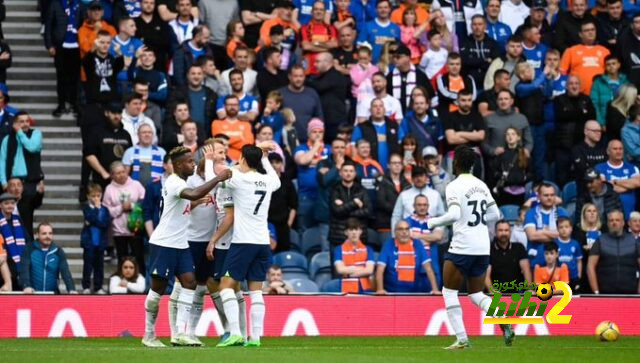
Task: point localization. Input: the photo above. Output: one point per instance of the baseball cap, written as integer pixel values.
(538, 4)
(591, 175)
(7, 196)
(114, 107)
(429, 151)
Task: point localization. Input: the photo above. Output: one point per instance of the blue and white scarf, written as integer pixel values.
(156, 164)
(13, 235)
(553, 216)
(71, 36)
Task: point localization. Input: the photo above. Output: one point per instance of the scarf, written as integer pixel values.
(13, 234)
(406, 266)
(156, 163)
(320, 154)
(355, 256)
(71, 35)
(408, 87)
(553, 216)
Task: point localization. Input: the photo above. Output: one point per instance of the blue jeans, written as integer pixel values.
(306, 213)
(539, 134)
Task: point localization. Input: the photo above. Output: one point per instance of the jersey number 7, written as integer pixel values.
(478, 214)
(262, 194)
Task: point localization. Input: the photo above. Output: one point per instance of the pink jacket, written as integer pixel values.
(361, 80)
(114, 195)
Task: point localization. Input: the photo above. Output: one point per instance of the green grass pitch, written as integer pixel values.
(327, 349)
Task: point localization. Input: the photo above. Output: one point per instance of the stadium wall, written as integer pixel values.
(116, 316)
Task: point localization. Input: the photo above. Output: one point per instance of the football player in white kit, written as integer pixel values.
(251, 186)
(470, 207)
(170, 255)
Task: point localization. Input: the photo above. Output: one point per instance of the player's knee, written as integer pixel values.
(256, 297)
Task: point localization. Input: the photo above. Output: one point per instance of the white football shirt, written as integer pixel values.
(202, 221)
(223, 200)
(470, 231)
(251, 194)
(174, 220)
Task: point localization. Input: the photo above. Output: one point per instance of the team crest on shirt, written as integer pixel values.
(502, 32)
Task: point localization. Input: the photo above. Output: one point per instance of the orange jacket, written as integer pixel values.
(422, 14)
(543, 274)
(239, 133)
(87, 35)
(267, 25)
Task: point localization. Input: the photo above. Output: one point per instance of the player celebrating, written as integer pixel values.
(470, 208)
(170, 255)
(251, 186)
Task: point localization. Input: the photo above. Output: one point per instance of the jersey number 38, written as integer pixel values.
(480, 214)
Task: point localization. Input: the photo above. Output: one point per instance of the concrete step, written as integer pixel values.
(32, 62)
(58, 213)
(28, 50)
(9, 27)
(63, 143)
(59, 203)
(31, 106)
(65, 154)
(12, 37)
(25, 16)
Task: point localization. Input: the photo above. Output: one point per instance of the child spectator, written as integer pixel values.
(235, 37)
(354, 261)
(411, 32)
(361, 74)
(290, 140)
(551, 272)
(94, 240)
(272, 116)
(127, 280)
(518, 235)
(5, 273)
(435, 58)
(569, 252)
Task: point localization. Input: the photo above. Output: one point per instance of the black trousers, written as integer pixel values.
(27, 205)
(67, 62)
(93, 263)
(130, 246)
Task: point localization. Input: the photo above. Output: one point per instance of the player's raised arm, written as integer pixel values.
(183, 165)
(267, 146)
(204, 189)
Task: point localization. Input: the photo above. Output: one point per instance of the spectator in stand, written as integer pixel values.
(438, 177)
(132, 117)
(61, 40)
(380, 132)
(558, 88)
(332, 88)
(422, 123)
(157, 80)
(189, 52)
(568, 26)
(420, 13)
(458, 15)
(348, 200)
(317, 35)
(411, 32)
(478, 50)
(327, 176)
(212, 77)
(511, 170)
(488, 100)
(253, 13)
(380, 30)
(94, 240)
(617, 169)
(345, 56)
(434, 60)
(553, 270)
(392, 106)
(507, 62)
(587, 59)
(533, 50)
(368, 170)
(634, 225)
(411, 155)
(304, 101)
(612, 23)
(280, 32)
(28, 200)
(189, 132)
(572, 111)
(121, 197)
(513, 13)
(518, 234)
(6, 277)
(540, 223)
(587, 154)
(537, 18)
(587, 232)
(605, 87)
(353, 260)
(153, 198)
(628, 49)
(600, 193)
(342, 17)
(497, 30)
(464, 126)
(569, 252)
(405, 77)
(239, 131)
(614, 260)
(168, 10)
(171, 129)
(249, 76)
(272, 116)
(107, 145)
(271, 77)
(630, 136)
(404, 204)
(307, 156)
(5, 60)
(508, 261)
(89, 30)
(618, 111)
(149, 108)
(276, 38)
(183, 25)
(127, 280)
(217, 14)
(439, 23)
(43, 262)
(404, 266)
(235, 36)
(419, 230)
(202, 101)
(101, 70)
(389, 188)
(450, 84)
(275, 285)
(13, 232)
(125, 44)
(283, 210)
(248, 104)
(154, 32)
(144, 160)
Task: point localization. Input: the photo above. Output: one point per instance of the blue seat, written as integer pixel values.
(322, 277)
(304, 285)
(312, 241)
(288, 276)
(294, 238)
(332, 286)
(510, 212)
(321, 261)
(571, 209)
(373, 239)
(291, 261)
(570, 192)
(528, 188)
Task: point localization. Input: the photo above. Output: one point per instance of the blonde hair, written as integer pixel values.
(627, 94)
(521, 67)
(583, 220)
(288, 115)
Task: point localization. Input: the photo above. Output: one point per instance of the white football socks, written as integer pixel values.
(217, 301)
(151, 306)
(231, 310)
(257, 314)
(196, 310)
(242, 313)
(454, 312)
(173, 307)
(481, 300)
(185, 303)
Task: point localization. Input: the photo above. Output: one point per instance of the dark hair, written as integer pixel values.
(502, 221)
(202, 60)
(43, 224)
(544, 184)
(551, 247)
(166, 159)
(178, 152)
(235, 71)
(383, 1)
(275, 157)
(527, 27)
(480, 16)
(275, 267)
(262, 127)
(464, 159)
(196, 65)
(515, 39)
(418, 171)
(269, 51)
(221, 136)
(230, 97)
(500, 72)
(563, 219)
(633, 112)
(253, 157)
(378, 74)
(507, 91)
(454, 55)
(345, 128)
(198, 29)
(611, 2)
(348, 162)
(611, 56)
(140, 80)
(296, 67)
(432, 33)
(353, 223)
(18, 114)
(103, 33)
(465, 92)
(587, 21)
(131, 259)
(132, 96)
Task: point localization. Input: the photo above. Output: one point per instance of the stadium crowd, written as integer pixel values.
(367, 101)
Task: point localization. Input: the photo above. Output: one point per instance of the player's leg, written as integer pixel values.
(160, 270)
(173, 308)
(242, 310)
(185, 273)
(453, 278)
(203, 269)
(214, 287)
(235, 269)
(256, 275)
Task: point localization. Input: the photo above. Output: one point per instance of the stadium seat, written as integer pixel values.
(528, 188)
(312, 241)
(322, 277)
(304, 285)
(332, 286)
(570, 192)
(373, 239)
(294, 238)
(288, 276)
(291, 261)
(571, 209)
(320, 262)
(510, 212)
